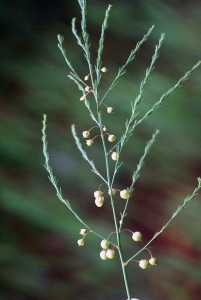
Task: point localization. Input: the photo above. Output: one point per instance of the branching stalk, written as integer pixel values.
(83, 42)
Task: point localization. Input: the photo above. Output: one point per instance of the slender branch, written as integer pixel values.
(54, 181)
(168, 93)
(84, 153)
(100, 49)
(131, 57)
(129, 126)
(146, 79)
(136, 173)
(180, 208)
(87, 104)
(76, 35)
(61, 39)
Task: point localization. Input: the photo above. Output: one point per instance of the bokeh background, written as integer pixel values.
(40, 258)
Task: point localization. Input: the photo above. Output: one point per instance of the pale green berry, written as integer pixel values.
(103, 255)
(98, 194)
(143, 263)
(104, 128)
(99, 201)
(83, 231)
(124, 194)
(110, 253)
(114, 156)
(110, 110)
(112, 192)
(80, 242)
(137, 236)
(86, 134)
(153, 261)
(111, 138)
(105, 244)
(89, 142)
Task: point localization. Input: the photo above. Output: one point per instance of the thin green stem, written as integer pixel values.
(113, 209)
(167, 94)
(130, 127)
(131, 57)
(180, 208)
(101, 45)
(54, 181)
(84, 154)
(124, 274)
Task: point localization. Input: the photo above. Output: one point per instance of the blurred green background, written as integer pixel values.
(40, 258)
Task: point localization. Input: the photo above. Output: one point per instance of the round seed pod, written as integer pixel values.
(110, 253)
(99, 201)
(105, 244)
(137, 236)
(111, 138)
(143, 263)
(153, 261)
(103, 255)
(124, 194)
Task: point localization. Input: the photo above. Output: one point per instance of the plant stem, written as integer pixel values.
(124, 274)
(113, 210)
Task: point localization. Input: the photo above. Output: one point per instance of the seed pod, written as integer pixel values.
(103, 255)
(124, 194)
(104, 70)
(143, 263)
(111, 138)
(137, 236)
(87, 88)
(85, 134)
(82, 98)
(110, 253)
(89, 142)
(80, 242)
(110, 110)
(99, 201)
(153, 261)
(114, 156)
(98, 194)
(105, 244)
(83, 231)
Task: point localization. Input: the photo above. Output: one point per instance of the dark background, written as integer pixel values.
(40, 258)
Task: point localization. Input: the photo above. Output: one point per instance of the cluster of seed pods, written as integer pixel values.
(108, 248)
